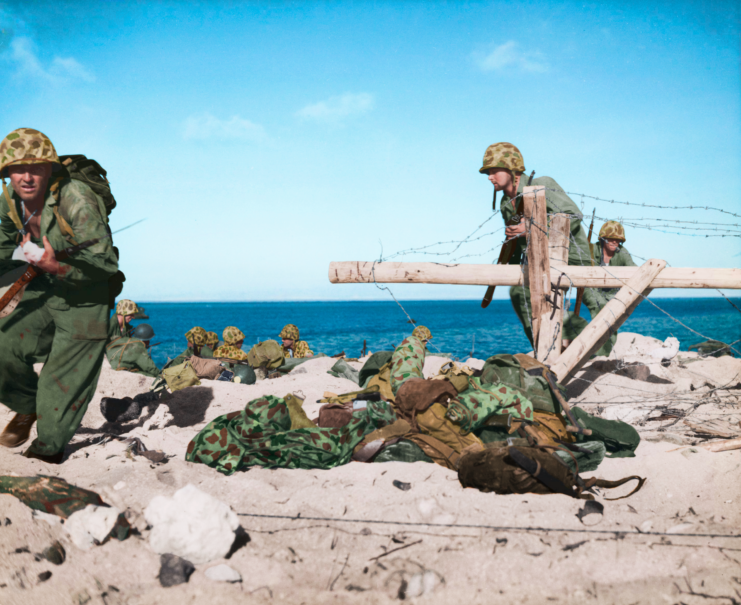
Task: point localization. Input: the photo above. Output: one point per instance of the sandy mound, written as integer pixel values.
(360, 539)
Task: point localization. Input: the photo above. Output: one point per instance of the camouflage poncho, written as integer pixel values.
(261, 435)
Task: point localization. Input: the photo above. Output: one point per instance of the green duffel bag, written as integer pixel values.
(373, 364)
(620, 439)
(507, 370)
(267, 354)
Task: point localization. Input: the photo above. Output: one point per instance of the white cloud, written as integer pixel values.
(335, 109)
(509, 54)
(61, 69)
(206, 126)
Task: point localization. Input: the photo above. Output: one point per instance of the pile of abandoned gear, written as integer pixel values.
(506, 428)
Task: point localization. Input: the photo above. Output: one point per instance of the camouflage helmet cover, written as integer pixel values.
(232, 335)
(27, 146)
(196, 336)
(212, 338)
(126, 307)
(289, 332)
(612, 230)
(422, 333)
(503, 155)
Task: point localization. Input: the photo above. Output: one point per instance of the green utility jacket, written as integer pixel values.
(621, 258)
(131, 354)
(556, 202)
(115, 330)
(86, 215)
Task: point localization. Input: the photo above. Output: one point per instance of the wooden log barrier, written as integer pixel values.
(609, 319)
(347, 272)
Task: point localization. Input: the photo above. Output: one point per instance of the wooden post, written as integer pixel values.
(538, 264)
(610, 318)
(551, 321)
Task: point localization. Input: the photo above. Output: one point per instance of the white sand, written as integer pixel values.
(689, 490)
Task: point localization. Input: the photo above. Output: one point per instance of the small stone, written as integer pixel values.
(119, 485)
(55, 553)
(223, 573)
(405, 487)
(44, 576)
(7, 521)
(174, 570)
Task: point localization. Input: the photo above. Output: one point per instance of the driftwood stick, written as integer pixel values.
(723, 446)
(610, 318)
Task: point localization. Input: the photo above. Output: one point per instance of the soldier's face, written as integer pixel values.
(29, 180)
(287, 343)
(612, 244)
(501, 178)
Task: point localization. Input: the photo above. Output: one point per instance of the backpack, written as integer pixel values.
(267, 354)
(180, 376)
(80, 168)
(508, 370)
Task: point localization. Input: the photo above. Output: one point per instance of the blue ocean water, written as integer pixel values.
(331, 327)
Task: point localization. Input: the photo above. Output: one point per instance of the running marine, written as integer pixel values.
(62, 320)
(504, 165)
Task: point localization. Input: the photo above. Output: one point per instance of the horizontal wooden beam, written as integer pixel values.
(348, 272)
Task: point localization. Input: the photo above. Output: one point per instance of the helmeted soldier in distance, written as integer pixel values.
(131, 353)
(126, 311)
(232, 347)
(423, 333)
(292, 346)
(62, 320)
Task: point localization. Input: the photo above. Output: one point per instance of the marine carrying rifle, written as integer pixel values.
(508, 248)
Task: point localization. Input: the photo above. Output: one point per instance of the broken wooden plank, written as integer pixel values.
(608, 320)
(345, 272)
(723, 446)
(538, 265)
(714, 427)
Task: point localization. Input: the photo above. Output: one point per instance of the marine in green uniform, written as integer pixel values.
(126, 310)
(504, 165)
(131, 353)
(608, 252)
(62, 320)
(292, 346)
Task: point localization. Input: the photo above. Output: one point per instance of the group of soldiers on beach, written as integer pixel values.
(62, 317)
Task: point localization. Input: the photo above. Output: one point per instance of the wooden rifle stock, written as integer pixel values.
(508, 248)
(580, 291)
(32, 271)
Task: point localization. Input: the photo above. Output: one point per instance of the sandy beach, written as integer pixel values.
(349, 535)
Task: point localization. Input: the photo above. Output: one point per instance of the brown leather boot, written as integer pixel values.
(18, 430)
(51, 459)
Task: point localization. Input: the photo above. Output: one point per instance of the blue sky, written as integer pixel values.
(263, 140)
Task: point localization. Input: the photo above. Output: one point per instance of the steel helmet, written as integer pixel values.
(232, 335)
(196, 336)
(503, 155)
(27, 146)
(422, 333)
(612, 230)
(289, 332)
(143, 332)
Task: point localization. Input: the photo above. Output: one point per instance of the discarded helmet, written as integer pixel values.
(612, 230)
(196, 336)
(232, 335)
(212, 339)
(289, 332)
(503, 155)
(143, 332)
(27, 146)
(422, 333)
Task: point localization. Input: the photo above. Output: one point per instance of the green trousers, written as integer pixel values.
(66, 330)
(593, 300)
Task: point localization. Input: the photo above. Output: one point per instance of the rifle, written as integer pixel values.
(508, 248)
(580, 291)
(13, 295)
